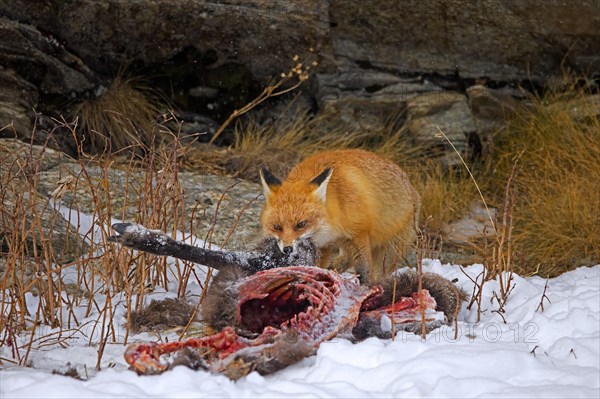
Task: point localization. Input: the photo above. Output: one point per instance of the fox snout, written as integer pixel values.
(286, 247)
(301, 251)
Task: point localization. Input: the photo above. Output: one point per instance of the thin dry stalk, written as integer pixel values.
(393, 302)
(544, 296)
(489, 213)
(477, 295)
(188, 266)
(419, 255)
(500, 266)
(300, 72)
(9, 338)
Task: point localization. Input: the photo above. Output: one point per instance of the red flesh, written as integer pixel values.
(318, 304)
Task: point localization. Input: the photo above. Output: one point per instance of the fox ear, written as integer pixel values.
(322, 181)
(268, 180)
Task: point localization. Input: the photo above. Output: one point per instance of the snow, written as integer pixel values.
(525, 352)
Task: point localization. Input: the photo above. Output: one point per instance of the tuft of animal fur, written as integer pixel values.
(161, 315)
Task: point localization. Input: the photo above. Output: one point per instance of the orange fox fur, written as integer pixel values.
(359, 209)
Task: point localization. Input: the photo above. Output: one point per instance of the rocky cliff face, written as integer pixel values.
(501, 40)
(374, 57)
(489, 38)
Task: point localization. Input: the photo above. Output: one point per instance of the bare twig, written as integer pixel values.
(544, 296)
(299, 71)
(393, 303)
(533, 350)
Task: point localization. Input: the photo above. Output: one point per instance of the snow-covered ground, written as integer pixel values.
(525, 352)
(554, 353)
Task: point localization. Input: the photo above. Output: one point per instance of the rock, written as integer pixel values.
(500, 40)
(367, 100)
(36, 182)
(496, 39)
(211, 204)
(263, 36)
(30, 220)
(215, 57)
(31, 63)
(193, 127)
(430, 114)
(42, 60)
(222, 210)
(21, 158)
(18, 98)
(472, 228)
(494, 104)
(491, 108)
(25, 270)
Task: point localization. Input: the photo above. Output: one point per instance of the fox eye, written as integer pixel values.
(277, 227)
(301, 224)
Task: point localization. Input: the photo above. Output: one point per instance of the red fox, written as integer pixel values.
(358, 208)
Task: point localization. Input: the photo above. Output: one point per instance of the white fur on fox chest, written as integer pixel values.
(324, 234)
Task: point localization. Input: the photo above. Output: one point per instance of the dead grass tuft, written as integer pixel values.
(557, 210)
(445, 196)
(280, 145)
(122, 116)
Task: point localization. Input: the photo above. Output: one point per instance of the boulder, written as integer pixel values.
(491, 108)
(475, 227)
(18, 98)
(263, 36)
(433, 115)
(41, 59)
(500, 40)
(29, 220)
(222, 210)
(214, 57)
(368, 100)
(40, 187)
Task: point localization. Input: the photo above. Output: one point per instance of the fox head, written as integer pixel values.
(295, 209)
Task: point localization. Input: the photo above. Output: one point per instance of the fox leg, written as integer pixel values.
(386, 259)
(327, 257)
(360, 257)
(338, 255)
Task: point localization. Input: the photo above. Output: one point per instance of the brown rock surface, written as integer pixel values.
(432, 115)
(374, 56)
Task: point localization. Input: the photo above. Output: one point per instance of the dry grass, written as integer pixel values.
(279, 145)
(557, 210)
(446, 195)
(123, 116)
(32, 271)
